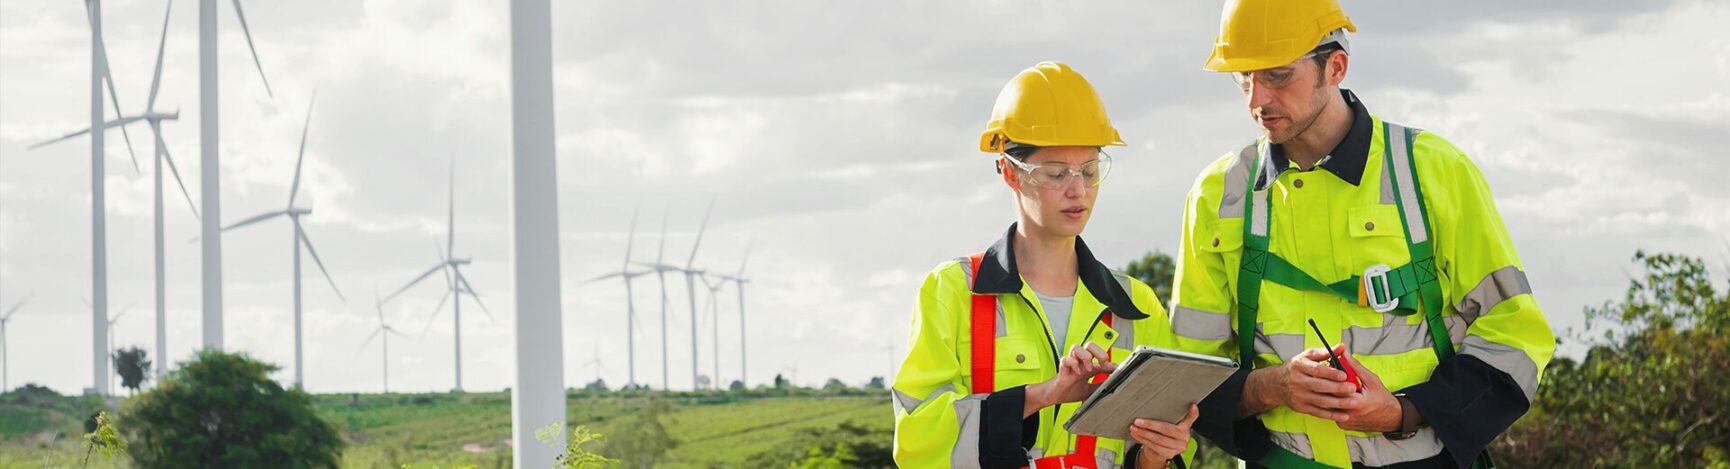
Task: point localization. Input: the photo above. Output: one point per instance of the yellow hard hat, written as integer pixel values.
(1048, 105)
(1263, 34)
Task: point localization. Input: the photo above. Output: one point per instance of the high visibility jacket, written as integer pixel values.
(1335, 222)
(942, 421)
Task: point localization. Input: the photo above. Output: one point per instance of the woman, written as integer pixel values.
(984, 383)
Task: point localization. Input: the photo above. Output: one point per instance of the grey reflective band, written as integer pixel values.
(908, 404)
(1283, 346)
(1198, 324)
(1237, 178)
(1396, 336)
(1372, 451)
(1106, 459)
(969, 412)
(1259, 203)
(1504, 283)
(1125, 333)
(1387, 183)
(1403, 175)
(1515, 362)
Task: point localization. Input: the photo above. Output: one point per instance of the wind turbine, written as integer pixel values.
(5, 356)
(456, 283)
(210, 183)
(739, 280)
(98, 195)
(300, 239)
(661, 267)
(715, 326)
(384, 332)
(154, 119)
(113, 345)
(627, 274)
(596, 363)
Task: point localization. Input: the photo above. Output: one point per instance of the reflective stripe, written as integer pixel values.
(968, 413)
(1504, 283)
(1370, 451)
(1396, 336)
(1236, 180)
(1125, 334)
(1408, 187)
(1387, 183)
(908, 404)
(1106, 459)
(1283, 346)
(1199, 324)
(1510, 360)
(967, 273)
(1258, 203)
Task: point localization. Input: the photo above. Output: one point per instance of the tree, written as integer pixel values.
(642, 440)
(736, 386)
(133, 365)
(597, 385)
(1650, 392)
(223, 410)
(1156, 270)
(876, 383)
(834, 384)
(780, 382)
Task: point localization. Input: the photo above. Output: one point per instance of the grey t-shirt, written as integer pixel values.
(1057, 311)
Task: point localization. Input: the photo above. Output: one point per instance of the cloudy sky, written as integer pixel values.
(839, 137)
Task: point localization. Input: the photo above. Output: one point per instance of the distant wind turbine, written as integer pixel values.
(627, 274)
(456, 283)
(691, 273)
(300, 239)
(739, 281)
(6, 356)
(383, 333)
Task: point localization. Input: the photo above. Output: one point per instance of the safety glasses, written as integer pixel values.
(1060, 175)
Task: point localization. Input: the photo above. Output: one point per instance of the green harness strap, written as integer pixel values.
(1408, 289)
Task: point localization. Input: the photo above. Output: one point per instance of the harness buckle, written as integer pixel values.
(1373, 290)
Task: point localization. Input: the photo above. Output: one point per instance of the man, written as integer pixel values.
(1383, 239)
(984, 384)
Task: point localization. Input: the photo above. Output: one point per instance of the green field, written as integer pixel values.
(443, 430)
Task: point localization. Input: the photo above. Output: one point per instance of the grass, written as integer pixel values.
(713, 429)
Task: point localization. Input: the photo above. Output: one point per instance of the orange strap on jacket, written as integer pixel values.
(984, 352)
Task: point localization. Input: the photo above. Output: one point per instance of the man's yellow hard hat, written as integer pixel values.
(1048, 105)
(1263, 34)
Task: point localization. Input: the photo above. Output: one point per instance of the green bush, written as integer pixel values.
(222, 410)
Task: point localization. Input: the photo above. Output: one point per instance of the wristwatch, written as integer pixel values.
(1408, 419)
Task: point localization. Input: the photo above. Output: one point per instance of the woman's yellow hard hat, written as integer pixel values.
(1048, 105)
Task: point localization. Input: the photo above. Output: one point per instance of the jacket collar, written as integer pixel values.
(1347, 159)
(998, 275)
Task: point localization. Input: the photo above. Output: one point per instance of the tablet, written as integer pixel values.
(1154, 383)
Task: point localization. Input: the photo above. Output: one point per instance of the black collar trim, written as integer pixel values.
(1347, 159)
(998, 275)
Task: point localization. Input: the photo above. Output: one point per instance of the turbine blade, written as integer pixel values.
(700, 228)
(748, 245)
(161, 46)
(416, 280)
(474, 294)
(113, 97)
(172, 169)
(451, 213)
(239, 13)
(662, 253)
(121, 122)
(15, 306)
(315, 260)
(369, 338)
(631, 240)
(436, 311)
(294, 189)
(255, 219)
(603, 277)
(378, 306)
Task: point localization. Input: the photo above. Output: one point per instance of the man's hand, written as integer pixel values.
(1162, 441)
(1070, 385)
(1376, 410)
(1305, 383)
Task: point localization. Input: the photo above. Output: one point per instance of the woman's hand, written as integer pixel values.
(1071, 383)
(1162, 441)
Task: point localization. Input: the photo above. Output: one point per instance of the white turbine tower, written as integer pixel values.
(661, 268)
(383, 333)
(210, 231)
(300, 239)
(538, 396)
(6, 356)
(739, 281)
(627, 274)
(154, 119)
(98, 195)
(456, 284)
(113, 370)
(714, 287)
